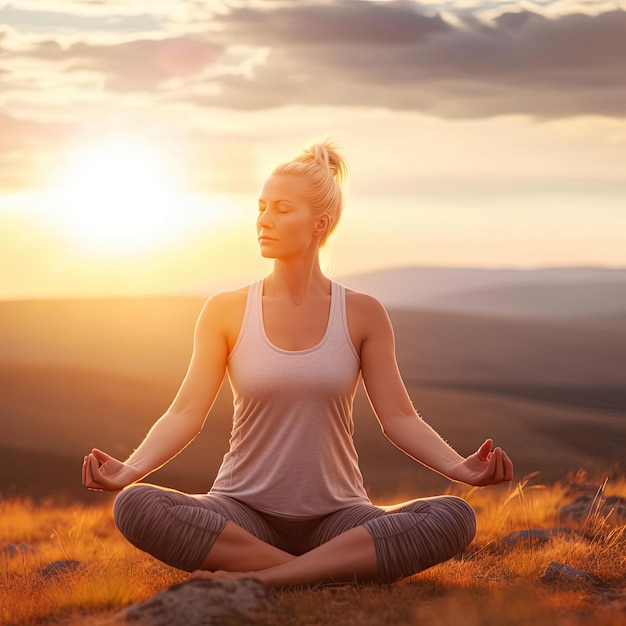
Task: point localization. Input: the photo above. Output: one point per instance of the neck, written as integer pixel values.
(296, 280)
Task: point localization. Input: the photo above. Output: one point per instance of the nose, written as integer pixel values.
(263, 221)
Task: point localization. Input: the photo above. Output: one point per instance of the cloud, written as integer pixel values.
(479, 62)
(344, 22)
(389, 55)
(35, 21)
(137, 65)
(369, 54)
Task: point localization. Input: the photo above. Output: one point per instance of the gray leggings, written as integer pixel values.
(180, 529)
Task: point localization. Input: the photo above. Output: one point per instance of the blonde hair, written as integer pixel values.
(326, 170)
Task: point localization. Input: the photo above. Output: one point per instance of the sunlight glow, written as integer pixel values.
(119, 195)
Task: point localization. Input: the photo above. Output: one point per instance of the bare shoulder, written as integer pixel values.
(223, 312)
(367, 317)
(226, 301)
(363, 305)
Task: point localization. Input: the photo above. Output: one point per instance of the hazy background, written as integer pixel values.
(487, 144)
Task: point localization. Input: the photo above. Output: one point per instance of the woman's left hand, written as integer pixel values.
(486, 466)
(102, 472)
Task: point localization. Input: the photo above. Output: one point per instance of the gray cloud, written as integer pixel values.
(375, 54)
(134, 65)
(520, 63)
(346, 22)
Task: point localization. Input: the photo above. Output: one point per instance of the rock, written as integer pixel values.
(560, 572)
(534, 536)
(13, 549)
(582, 506)
(201, 602)
(618, 504)
(57, 568)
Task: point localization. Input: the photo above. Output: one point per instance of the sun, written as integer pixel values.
(118, 195)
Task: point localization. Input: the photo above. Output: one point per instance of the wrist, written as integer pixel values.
(457, 472)
(136, 471)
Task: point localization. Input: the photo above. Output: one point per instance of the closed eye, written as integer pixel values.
(282, 206)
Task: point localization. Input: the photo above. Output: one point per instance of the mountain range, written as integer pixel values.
(548, 386)
(543, 292)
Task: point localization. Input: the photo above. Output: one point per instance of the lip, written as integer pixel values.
(266, 238)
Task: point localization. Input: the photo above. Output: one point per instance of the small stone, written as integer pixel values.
(617, 504)
(561, 572)
(205, 602)
(582, 506)
(13, 549)
(57, 568)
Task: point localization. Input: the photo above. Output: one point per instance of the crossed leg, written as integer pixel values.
(350, 556)
(196, 531)
(221, 538)
(237, 550)
(218, 538)
(367, 543)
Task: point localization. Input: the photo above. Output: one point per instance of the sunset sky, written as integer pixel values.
(135, 136)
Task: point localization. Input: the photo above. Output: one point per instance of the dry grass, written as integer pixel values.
(490, 584)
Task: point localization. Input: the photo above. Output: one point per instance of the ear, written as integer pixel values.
(321, 225)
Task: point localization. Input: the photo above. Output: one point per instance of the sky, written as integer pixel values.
(135, 136)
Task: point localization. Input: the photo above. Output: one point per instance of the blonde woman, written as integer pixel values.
(288, 505)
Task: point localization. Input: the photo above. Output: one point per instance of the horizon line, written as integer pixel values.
(208, 290)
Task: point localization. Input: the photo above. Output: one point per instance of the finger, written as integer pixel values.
(96, 476)
(508, 466)
(101, 457)
(87, 478)
(498, 473)
(84, 471)
(484, 450)
(488, 473)
(95, 465)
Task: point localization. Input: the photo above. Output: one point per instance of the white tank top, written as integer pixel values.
(291, 447)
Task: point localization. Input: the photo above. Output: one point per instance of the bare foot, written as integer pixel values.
(201, 574)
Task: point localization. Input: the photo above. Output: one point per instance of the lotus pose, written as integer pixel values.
(288, 505)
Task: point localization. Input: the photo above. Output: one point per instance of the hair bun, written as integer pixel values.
(326, 154)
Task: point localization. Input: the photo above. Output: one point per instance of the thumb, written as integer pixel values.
(485, 450)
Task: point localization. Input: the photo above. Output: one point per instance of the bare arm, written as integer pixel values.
(184, 419)
(400, 422)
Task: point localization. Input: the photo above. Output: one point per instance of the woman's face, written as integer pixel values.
(286, 226)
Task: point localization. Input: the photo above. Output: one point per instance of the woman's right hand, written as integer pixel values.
(102, 472)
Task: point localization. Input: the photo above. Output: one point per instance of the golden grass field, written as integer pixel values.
(489, 584)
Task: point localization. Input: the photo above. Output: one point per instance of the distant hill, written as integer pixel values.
(150, 339)
(546, 292)
(75, 374)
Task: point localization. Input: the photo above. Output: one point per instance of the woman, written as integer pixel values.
(288, 505)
